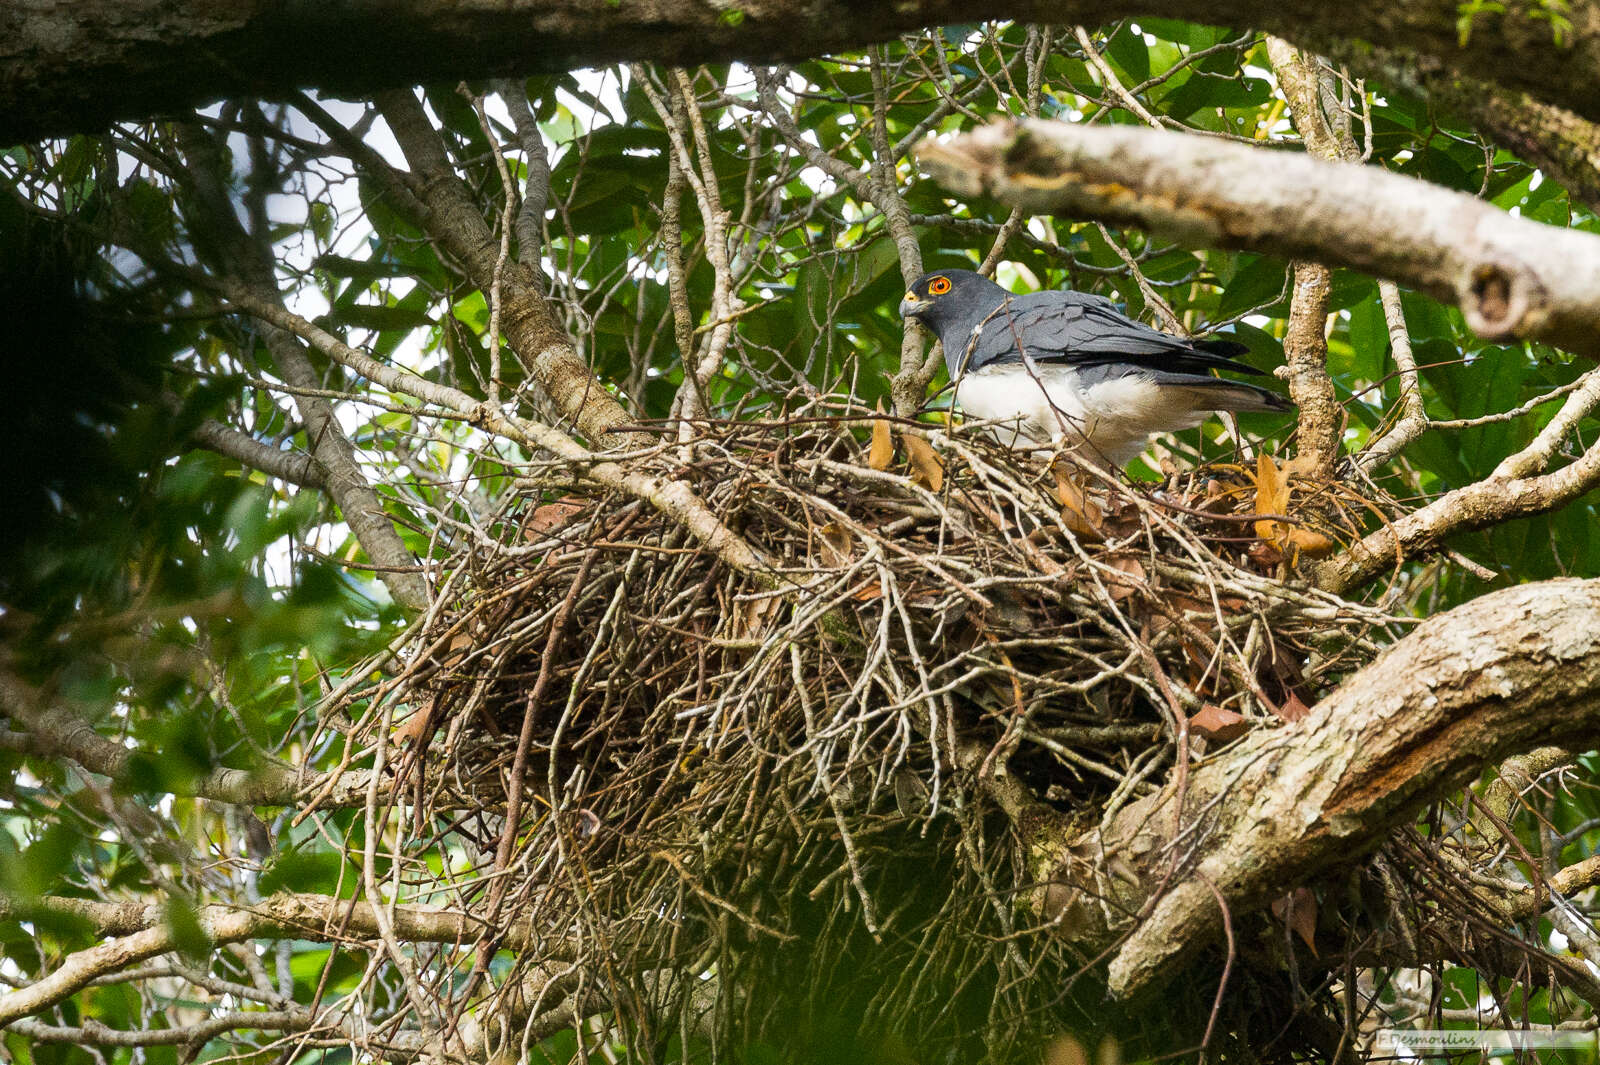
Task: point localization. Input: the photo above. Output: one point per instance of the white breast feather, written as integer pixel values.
(1114, 417)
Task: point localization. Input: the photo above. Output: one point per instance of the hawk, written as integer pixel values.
(1070, 369)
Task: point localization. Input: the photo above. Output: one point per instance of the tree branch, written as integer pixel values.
(673, 498)
(93, 1033)
(451, 218)
(294, 467)
(1511, 277)
(1498, 498)
(141, 932)
(77, 64)
(53, 730)
(1305, 341)
(243, 254)
(1565, 145)
(680, 115)
(1511, 671)
(1413, 421)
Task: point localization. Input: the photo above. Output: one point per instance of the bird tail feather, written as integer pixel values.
(1216, 393)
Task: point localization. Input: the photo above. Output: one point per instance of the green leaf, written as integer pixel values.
(184, 923)
(1258, 280)
(1129, 52)
(378, 319)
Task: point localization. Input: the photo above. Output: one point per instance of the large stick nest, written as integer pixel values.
(778, 778)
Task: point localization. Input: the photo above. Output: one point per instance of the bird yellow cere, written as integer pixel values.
(1069, 369)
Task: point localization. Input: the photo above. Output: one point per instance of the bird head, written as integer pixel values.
(951, 303)
(943, 297)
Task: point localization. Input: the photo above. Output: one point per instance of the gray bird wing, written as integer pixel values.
(1088, 330)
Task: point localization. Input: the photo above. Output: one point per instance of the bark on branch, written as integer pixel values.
(52, 730)
(672, 497)
(140, 932)
(1512, 278)
(293, 466)
(445, 209)
(1513, 670)
(77, 64)
(1305, 341)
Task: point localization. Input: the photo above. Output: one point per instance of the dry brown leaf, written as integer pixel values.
(749, 617)
(552, 515)
(880, 455)
(1264, 554)
(1292, 709)
(1272, 496)
(1189, 604)
(1309, 542)
(415, 729)
(1218, 724)
(927, 469)
(1121, 587)
(455, 649)
(1078, 512)
(1217, 497)
(1299, 910)
(835, 544)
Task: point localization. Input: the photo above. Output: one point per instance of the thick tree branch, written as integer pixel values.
(53, 730)
(1512, 278)
(1305, 341)
(77, 64)
(1508, 672)
(451, 217)
(141, 932)
(246, 255)
(1562, 143)
(296, 467)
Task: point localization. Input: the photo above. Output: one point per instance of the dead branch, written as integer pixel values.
(1512, 278)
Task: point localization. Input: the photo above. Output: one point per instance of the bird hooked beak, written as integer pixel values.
(911, 306)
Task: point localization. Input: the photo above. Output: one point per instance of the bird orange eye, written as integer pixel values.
(938, 286)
